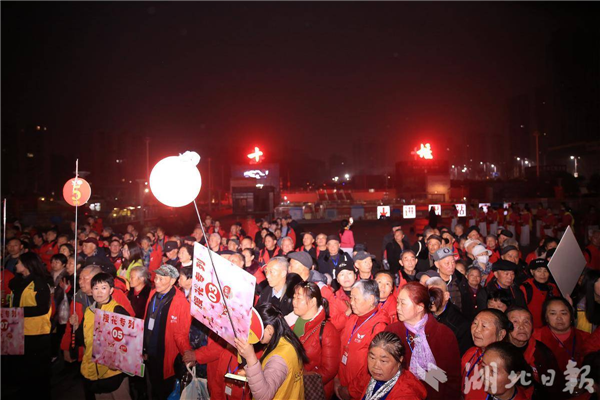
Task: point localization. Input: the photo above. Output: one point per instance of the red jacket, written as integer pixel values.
(337, 309)
(263, 256)
(177, 339)
(473, 358)
(444, 347)
(355, 342)
(220, 358)
(592, 343)
(592, 257)
(408, 387)
(46, 252)
(155, 262)
(535, 299)
(389, 307)
(323, 351)
(574, 345)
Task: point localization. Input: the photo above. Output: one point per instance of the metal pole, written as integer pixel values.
(209, 191)
(3, 245)
(215, 270)
(537, 153)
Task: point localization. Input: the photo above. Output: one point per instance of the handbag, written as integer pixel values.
(313, 387)
(196, 389)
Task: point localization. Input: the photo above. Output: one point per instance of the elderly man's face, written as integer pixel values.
(214, 241)
(275, 274)
(433, 245)
(333, 246)
(446, 265)
(321, 240)
(287, 246)
(360, 304)
(88, 249)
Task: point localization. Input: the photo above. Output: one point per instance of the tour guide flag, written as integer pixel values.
(13, 331)
(118, 342)
(208, 305)
(567, 263)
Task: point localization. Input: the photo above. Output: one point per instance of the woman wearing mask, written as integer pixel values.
(482, 260)
(388, 379)
(559, 333)
(31, 291)
(427, 341)
(489, 326)
(321, 340)
(278, 373)
(132, 254)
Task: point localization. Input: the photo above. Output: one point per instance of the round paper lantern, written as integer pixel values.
(77, 191)
(175, 181)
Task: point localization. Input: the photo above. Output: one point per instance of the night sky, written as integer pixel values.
(275, 73)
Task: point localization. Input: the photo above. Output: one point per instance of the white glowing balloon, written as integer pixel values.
(175, 181)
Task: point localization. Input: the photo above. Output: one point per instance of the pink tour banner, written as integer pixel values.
(12, 321)
(207, 304)
(118, 342)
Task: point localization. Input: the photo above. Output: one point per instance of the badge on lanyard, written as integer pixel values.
(151, 324)
(228, 390)
(345, 358)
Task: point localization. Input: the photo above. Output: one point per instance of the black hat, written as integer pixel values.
(360, 247)
(333, 237)
(225, 252)
(538, 263)
(471, 229)
(442, 253)
(507, 233)
(503, 265)
(91, 240)
(171, 245)
(362, 255)
(506, 249)
(189, 239)
(346, 266)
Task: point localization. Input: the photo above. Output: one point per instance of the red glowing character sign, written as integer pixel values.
(255, 156)
(77, 191)
(425, 152)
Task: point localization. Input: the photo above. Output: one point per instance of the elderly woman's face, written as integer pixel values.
(360, 304)
(485, 331)
(382, 366)
(495, 375)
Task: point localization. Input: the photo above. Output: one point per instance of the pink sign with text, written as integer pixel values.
(207, 303)
(12, 322)
(118, 342)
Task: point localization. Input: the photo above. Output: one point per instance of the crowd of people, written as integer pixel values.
(461, 313)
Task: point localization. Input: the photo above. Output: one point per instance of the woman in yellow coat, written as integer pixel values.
(31, 291)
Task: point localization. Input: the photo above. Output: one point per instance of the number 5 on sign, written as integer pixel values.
(409, 211)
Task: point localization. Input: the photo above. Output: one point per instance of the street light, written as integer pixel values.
(575, 174)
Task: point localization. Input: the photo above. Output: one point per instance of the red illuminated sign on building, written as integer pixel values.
(255, 156)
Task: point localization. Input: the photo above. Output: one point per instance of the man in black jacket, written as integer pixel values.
(335, 259)
(280, 291)
(395, 249)
(449, 315)
(503, 284)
